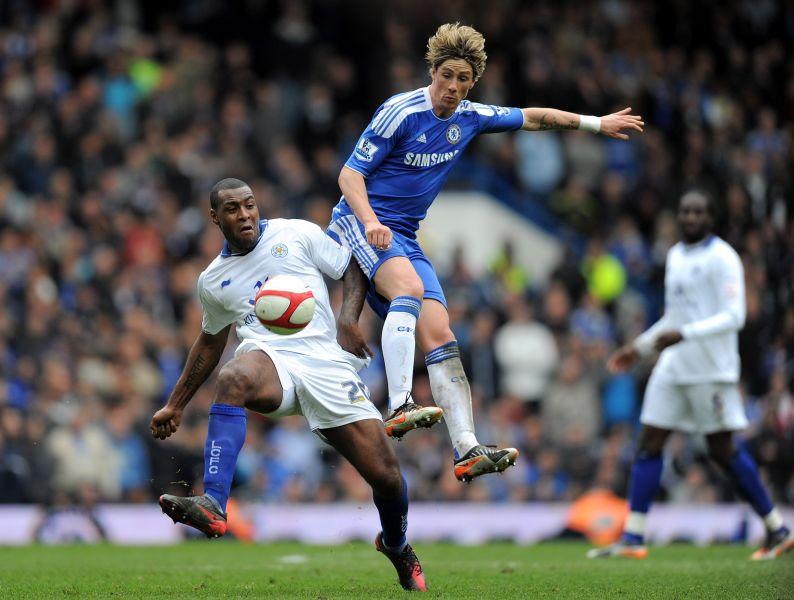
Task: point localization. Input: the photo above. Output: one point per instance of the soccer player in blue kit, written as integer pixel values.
(395, 172)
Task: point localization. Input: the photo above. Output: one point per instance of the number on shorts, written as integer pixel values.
(718, 404)
(356, 391)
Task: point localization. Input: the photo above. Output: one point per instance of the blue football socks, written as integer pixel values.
(646, 476)
(225, 438)
(394, 518)
(744, 473)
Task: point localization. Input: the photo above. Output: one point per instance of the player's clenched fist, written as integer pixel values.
(378, 235)
(165, 422)
(352, 340)
(612, 125)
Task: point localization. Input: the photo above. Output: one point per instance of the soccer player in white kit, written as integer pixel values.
(693, 387)
(305, 373)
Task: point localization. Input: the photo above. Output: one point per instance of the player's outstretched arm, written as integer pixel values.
(544, 119)
(354, 189)
(201, 361)
(354, 290)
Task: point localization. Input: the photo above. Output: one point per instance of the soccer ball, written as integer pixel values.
(284, 304)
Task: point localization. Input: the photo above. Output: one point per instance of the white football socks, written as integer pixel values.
(635, 524)
(398, 343)
(452, 394)
(773, 520)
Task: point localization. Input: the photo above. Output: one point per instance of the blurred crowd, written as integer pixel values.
(117, 117)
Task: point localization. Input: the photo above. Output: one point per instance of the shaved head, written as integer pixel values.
(230, 183)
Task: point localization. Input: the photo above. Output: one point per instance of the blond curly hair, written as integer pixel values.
(453, 40)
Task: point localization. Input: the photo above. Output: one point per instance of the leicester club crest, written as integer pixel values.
(279, 250)
(453, 134)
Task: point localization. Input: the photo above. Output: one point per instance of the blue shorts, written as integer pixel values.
(349, 231)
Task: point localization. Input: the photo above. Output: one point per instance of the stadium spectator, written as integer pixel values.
(571, 403)
(526, 353)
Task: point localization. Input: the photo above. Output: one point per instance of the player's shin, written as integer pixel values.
(225, 438)
(451, 392)
(393, 518)
(646, 476)
(398, 343)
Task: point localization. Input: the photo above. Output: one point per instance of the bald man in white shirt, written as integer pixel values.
(693, 387)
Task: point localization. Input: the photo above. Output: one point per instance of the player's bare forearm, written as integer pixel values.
(613, 125)
(204, 356)
(354, 290)
(354, 189)
(544, 119)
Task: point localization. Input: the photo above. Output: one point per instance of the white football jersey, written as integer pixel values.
(704, 300)
(228, 286)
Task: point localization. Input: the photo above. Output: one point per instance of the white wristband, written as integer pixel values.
(590, 123)
(643, 347)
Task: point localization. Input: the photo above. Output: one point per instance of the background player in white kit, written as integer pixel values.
(693, 387)
(304, 373)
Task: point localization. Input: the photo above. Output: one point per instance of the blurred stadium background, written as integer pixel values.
(117, 117)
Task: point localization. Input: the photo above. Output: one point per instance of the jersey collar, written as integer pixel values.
(433, 112)
(704, 243)
(226, 252)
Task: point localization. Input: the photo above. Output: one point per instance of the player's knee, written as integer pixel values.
(435, 335)
(720, 448)
(389, 484)
(235, 384)
(649, 447)
(410, 285)
(722, 458)
(387, 481)
(721, 455)
(651, 443)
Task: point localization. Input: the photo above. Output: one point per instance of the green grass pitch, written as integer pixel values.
(222, 569)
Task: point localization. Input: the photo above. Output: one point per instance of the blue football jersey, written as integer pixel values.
(406, 152)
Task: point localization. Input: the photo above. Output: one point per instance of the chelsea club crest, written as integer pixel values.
(453, 134)
(279, 250)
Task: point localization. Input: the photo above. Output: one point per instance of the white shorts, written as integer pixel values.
(692, 408)
(328, 393)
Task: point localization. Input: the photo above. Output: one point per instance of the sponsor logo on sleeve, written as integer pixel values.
(366, 150)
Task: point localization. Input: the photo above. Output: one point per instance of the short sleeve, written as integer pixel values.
(214, 318)
(494, 119)
(329, 256)
(377, 141)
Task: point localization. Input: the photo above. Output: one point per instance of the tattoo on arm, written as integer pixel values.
(354, 290)
(202, 360)
(193, 378)
(549, 122)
